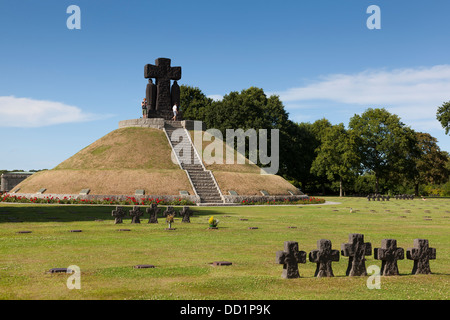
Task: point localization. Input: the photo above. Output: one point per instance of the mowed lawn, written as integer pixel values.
(183, 256)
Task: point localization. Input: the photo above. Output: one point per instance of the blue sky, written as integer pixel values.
(61, 89)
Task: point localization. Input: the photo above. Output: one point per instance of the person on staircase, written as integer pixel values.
(175, 111)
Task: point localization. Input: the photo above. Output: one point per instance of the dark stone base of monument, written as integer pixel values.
(221, 263)
(144, 266)
(213, 228)
(164, 114)
(170, 229)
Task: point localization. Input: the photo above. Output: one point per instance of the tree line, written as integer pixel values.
(376, 153)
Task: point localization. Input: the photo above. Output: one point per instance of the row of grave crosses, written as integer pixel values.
(404, 197)
(119, 213)
(356, 250)
(378, 197)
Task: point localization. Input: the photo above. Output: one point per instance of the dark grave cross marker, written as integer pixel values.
(323, 257)
(136, 213)
(144, 266)
(118, 214)
(186, 213)
(163, 73)
(222, 263)
(169, 211)
(290, 258)
(356, 249)
(421, 254)
(153, 211)
(60, 270)
(389, 254)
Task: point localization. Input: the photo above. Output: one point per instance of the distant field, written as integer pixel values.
(182, 257)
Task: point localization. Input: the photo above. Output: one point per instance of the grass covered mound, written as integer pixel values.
(183, 257)
(127, 148)
(133, 158)
(119, 163)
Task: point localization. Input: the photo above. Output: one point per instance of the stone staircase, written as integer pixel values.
(202, 180)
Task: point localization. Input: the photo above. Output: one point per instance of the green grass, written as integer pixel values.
(182, 257)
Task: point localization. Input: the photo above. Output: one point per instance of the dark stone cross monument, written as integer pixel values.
(389, 254)
(421, 254)
(323, 257)
(356, 249)
(161, 96)
(290, 258)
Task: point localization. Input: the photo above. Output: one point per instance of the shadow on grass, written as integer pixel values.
(68, 213)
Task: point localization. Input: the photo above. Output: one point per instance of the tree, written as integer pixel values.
(239, 110)
(431, 163)
(336, 156)
(443, 116)
(193, 103)
(304, 143)
(385, 145)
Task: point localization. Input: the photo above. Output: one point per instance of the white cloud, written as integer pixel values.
(215, 97)
(414, 93)
(25, 112)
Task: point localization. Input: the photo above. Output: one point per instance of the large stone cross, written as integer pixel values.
(290, 258)
(163, 73)
(323, 257)
(356, 249)
(421, 254)
(389, 254)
